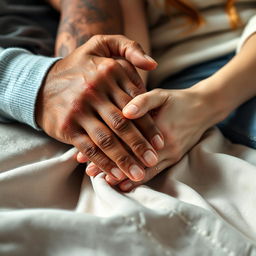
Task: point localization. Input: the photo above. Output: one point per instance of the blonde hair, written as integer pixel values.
(195, 16)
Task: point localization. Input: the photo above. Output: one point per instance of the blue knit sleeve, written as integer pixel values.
(21, 75)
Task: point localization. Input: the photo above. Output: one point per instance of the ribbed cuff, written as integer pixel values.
(248, 31)
(21, 75)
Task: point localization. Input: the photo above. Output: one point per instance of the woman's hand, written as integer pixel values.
(188, 113)
(80, 104)
(181, 115)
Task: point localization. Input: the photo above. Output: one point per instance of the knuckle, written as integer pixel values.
(104, 140)
(89, 149)
(76, 107)
(106, 68)
(133, 92)
(97, 38)
(91, 91)
(90, 87)
(134, 44)
(110, 66)
(104, 163)
(139, 146)
(123, 161)
(119, 123)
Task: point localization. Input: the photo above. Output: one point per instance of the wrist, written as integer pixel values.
(216, 107)
(42, 95)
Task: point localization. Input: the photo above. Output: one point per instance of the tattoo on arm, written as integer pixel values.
(81, 19)
(97, 14)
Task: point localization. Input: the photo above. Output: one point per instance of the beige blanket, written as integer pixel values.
(204, 205)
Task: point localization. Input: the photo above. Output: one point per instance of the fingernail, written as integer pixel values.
(126, 186)
(110, 180)
(136, 172)
(117, 173)
(131, 109)
(79, 156)
(150, 158)
(92, 171)
(158, 142)
(149, 58)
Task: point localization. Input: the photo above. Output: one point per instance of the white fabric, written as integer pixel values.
(177, 44)
(204, 205)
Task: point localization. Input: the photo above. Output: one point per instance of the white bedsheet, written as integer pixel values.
(204, 205)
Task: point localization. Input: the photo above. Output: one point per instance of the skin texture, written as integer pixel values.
(225, 88)
(95, 126)
(201, 106)
(81, 19)
(180, 134)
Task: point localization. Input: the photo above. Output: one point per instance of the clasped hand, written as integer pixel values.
(181, 115)
(81, 101)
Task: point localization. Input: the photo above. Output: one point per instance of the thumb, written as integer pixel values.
(143, 103)
(121, 46)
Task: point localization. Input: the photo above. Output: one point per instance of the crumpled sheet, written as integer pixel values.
(204, 205)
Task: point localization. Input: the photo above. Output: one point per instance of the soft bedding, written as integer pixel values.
(204, 205)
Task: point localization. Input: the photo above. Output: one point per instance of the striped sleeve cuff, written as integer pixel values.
(248, 31)
(21, 75)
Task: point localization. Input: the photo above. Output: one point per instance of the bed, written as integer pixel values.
(204, 205)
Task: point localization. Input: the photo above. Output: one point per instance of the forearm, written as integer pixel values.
(81, 19)
(234, 84)
(135, 25)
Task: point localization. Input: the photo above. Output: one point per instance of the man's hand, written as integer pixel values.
(81, 100)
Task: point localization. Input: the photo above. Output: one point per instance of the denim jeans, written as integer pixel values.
(240, 125)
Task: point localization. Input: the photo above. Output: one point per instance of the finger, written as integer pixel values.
(128, 133)
(143, 103)
(128, 185)
(132, 77)
(90, 150)
(165, 161)
(149, 129)
(93, 170)
(145, 124)
(110, 181)
(81, 158)
(107, 142)
(118, 45)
